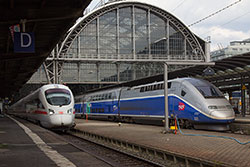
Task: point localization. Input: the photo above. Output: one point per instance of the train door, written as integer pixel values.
(174, 92)
(112, 105)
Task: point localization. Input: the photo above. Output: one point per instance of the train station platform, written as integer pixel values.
(17, 148)
(25, 144)
(241, 125)
(240, 119)
(220, 151)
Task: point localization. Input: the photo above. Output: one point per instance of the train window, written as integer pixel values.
(207, 89)
(58, 97)
(110, 96)
(169, 85)
(142, 89)
(40, 105)
(183, 93)
(155, 87)
(159, 86)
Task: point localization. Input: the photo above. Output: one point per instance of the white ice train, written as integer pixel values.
(51, 106)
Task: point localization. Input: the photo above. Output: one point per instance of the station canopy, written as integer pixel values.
(49, 20)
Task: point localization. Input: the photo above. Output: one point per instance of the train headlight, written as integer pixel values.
(70, 111)
(212, 107)
(51, 112)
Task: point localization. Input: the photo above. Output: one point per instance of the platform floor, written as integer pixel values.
(205, 148)
(17, 149)
(240, 119)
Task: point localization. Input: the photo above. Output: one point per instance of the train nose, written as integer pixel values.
(66, 120)
(222, 114)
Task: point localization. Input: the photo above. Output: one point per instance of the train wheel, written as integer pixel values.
(111, 118)
(187, 124)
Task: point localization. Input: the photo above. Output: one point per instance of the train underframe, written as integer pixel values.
(183, 123)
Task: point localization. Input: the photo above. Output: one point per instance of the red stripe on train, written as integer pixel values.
(40, 112)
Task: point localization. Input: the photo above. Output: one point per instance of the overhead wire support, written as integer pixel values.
(211, 15)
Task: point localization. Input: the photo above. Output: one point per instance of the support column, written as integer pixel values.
(79, 46)
(166, 97)
(248, 91)
(230, 94)
(149, 34)
(133, 31)
(118, 72)
(243, 101)
(98, 71)
(167, 39)
(97, 38)
(117, 34)
(133, 70)
(78, 71)
(56, 72)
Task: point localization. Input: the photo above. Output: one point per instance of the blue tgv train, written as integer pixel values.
(194, 102)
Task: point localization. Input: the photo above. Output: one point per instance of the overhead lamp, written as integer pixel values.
(220, 72)
(247, 67)
(198, 76)
(229, 71)
(239, 69)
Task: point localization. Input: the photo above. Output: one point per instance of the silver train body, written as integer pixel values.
(193, 101)
(52, 106)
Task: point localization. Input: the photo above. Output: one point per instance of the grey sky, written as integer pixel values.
(228, 25)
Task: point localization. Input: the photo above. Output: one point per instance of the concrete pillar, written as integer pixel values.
(98, 72)
(243, 101)
(230, 94)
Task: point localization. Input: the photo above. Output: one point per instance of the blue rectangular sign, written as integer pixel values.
(24, 42)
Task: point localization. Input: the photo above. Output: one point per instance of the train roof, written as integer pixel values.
(48, 86)
(43, 88)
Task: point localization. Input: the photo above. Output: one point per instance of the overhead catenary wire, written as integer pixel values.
(211, 15)
(178, 5)
(236, 18)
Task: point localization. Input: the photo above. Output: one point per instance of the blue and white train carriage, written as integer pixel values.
(194, 102)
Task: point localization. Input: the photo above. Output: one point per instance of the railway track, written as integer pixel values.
(109, 155)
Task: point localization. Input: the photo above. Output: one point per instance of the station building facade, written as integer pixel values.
(235, 48)
(119, 42)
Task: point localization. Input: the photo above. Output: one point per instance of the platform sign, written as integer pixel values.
(24, 42)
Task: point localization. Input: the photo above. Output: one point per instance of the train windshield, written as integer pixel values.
(58, 97)
(207, 89)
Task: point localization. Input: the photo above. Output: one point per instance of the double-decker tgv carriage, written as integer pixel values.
(194, 102)
(52, 106)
